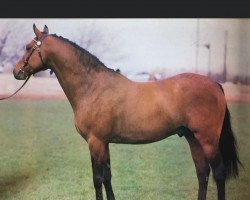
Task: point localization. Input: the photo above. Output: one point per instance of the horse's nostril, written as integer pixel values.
(19, 74)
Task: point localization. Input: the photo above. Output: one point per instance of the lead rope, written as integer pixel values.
(17, 90)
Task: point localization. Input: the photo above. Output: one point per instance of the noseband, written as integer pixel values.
(26, 61)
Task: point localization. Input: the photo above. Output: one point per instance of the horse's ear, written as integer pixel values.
(46, 29)
(36, 31)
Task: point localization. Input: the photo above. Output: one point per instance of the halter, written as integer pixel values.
(26, 63)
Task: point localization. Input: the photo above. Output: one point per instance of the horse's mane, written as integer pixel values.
(84, 56)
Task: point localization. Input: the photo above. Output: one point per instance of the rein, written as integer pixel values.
(26, 63)
(17, 90)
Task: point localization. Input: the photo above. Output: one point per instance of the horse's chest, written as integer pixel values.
(93, 122)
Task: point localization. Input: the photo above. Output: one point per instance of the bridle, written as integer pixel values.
(26, 61)
(26, 64)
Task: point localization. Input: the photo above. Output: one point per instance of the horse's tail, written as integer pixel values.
(228, 148)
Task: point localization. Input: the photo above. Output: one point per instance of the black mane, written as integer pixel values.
(85, 57)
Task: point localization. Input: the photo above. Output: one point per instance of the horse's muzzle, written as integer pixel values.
(20, 74)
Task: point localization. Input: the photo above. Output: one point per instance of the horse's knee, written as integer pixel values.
(107, 177)
(107, 173)
(98, 180)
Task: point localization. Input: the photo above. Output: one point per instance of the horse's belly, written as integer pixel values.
(147, 125)
(142, 136)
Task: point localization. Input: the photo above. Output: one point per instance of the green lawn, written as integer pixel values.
(43, 157)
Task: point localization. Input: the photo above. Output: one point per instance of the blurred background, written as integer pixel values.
(141, 49)
(218, 48)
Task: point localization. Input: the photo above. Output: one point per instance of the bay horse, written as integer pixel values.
(110, 108)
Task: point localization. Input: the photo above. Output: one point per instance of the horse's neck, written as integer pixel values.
(77, 81)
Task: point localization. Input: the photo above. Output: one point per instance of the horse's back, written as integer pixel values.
(193, 88)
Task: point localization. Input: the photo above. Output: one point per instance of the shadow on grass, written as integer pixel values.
(10, 185)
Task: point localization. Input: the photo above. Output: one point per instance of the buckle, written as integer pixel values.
(38, 43)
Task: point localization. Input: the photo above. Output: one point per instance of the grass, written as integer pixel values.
(43, 157)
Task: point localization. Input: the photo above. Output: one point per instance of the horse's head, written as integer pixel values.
(34, 58)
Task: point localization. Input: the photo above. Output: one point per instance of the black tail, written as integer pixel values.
(228, 148)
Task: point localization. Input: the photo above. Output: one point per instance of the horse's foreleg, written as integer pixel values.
(101, 168)
(98, 177)
(97, 152)
(107, 177)
(202, 166)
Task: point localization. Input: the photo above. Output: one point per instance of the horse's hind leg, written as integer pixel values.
(219, 174)
(202, 166)
(218, 168)
(211, 150)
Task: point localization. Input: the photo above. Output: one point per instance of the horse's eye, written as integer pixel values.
(27, 48)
